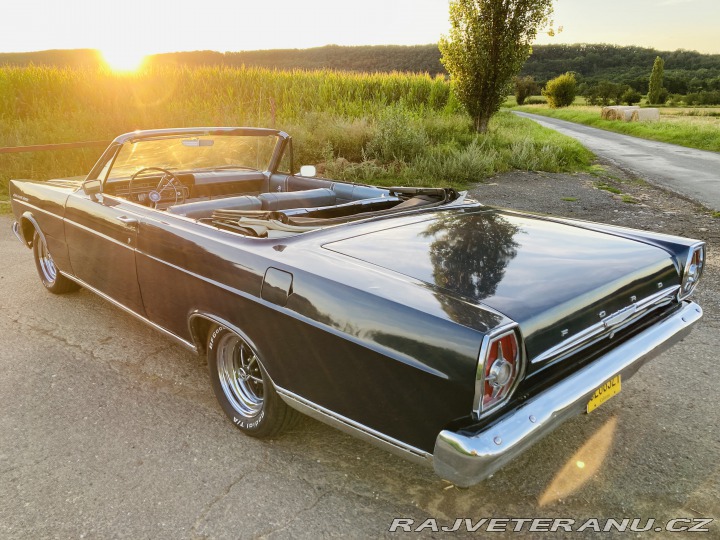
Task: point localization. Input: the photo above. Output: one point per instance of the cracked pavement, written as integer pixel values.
(108, 429)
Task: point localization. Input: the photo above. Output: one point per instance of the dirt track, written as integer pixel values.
(109, 430)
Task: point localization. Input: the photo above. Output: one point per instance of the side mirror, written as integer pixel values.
(92, 188)
(308, 170)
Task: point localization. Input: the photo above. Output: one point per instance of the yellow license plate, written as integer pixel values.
(603, 393)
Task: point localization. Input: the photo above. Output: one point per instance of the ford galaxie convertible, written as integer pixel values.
(451, 332)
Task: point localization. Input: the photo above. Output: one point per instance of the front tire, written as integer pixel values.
(51, 278)
(243, 387)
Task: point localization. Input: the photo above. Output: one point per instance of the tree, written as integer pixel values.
(524, 88)
(631, 97)
(561, 91)
(489, 42)
(608, 91)
(656, 81)
(591, 94)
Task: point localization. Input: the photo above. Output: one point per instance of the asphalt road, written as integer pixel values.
(690, 172)
(108, 430)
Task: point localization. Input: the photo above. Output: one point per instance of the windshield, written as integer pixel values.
(208, 152)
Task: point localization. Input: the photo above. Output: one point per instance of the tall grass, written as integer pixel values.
(443, 150)
(369, 127)
(102, 104)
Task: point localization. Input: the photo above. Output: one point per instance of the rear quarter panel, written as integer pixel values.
(381, 349)
(42, 204)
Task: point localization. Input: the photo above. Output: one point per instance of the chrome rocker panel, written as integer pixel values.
(466, 460)
(351, 427)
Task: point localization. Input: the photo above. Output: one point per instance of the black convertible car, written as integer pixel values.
(453, 333)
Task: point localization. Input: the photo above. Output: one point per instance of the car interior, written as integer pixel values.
(255, 204)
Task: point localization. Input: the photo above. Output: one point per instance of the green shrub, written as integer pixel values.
(703, 98)
(604, 93)
(631, 97)
(399, 136)
(561, 91)
(524, 88)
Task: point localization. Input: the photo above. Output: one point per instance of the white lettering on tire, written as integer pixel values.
(211, 343)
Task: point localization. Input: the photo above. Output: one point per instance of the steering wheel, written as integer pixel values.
(168, 181)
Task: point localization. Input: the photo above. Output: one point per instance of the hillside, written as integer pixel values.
(685, 71)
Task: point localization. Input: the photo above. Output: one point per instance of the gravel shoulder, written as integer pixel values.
(109, 430)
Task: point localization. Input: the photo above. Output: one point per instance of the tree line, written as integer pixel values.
(686, 72)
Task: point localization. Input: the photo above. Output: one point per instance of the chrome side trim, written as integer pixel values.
(609, 325)
(167, 333)
(101, 235)
(468, 458)
(354, 428)
(198, 276)
(30, 205)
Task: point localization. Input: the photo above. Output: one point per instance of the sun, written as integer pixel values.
(123, 59)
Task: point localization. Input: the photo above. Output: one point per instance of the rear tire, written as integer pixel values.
(51, 278)
(243, 387)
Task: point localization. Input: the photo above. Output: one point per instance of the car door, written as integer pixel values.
(101, 233)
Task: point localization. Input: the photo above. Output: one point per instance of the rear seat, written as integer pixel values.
(202, 209)
(338, 193)
(310, 198)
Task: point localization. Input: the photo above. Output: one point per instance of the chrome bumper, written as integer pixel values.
(465, 460)
(18, 234)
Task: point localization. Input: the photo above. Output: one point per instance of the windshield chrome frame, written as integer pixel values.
(113, 149)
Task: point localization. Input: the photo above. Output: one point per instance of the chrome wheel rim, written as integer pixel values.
(47, 265)
(240, 375)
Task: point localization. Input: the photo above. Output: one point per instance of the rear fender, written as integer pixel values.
(28, 226)
(201, 324)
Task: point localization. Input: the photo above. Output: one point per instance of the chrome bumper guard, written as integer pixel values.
(466, 460)
(18, 234)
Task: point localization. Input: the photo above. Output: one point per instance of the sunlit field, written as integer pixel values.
(374, 128)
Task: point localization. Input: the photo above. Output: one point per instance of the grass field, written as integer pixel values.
(374, 128)
(694, 128)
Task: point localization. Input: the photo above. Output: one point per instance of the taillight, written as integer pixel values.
(693, 270)
(499, 370)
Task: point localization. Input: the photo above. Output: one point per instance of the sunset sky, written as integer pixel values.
(138, 27)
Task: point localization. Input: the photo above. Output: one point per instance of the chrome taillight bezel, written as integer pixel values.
(521, 363)
(686, 289)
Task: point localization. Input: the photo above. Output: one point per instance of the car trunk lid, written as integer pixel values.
(561, 283)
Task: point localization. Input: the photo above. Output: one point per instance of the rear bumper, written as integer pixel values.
(466, 459)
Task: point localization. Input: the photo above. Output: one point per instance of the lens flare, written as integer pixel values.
(123, 59)
(581, 467)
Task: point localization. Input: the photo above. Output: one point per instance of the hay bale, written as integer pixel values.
(645, 115)
(605, 113)
(618, 112)
(626, 114)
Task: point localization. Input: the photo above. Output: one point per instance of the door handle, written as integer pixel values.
(127, 219)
